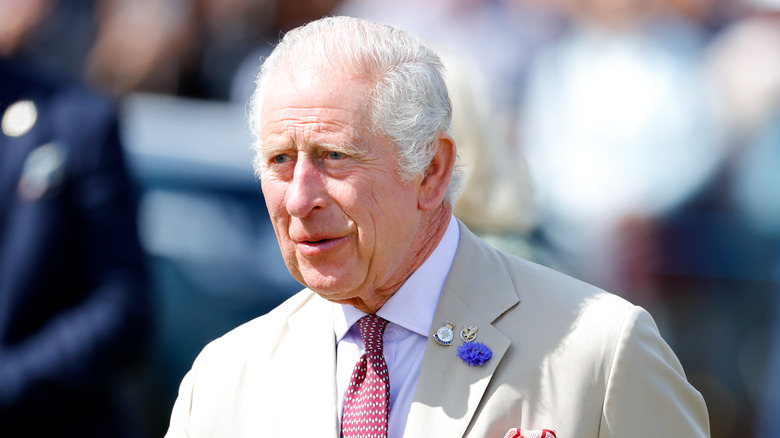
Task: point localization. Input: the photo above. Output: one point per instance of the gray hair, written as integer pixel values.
(410, 102)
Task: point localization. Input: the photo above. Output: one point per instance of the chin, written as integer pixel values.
(330, 288)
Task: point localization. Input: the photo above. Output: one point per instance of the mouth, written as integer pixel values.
(312, 242)
(318, 246)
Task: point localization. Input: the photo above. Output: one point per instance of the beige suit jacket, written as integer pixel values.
(566, 356)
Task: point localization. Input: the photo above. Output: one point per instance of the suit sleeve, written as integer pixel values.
(647, 393)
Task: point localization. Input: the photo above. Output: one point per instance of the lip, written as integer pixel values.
(318, 246)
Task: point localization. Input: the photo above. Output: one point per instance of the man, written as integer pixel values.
(356, 165)
(74, 309)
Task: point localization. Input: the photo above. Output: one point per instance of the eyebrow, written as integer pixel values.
(269, 150)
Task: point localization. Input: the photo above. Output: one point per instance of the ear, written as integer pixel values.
(437, 175)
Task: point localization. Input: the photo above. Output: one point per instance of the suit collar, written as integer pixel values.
(478, 290)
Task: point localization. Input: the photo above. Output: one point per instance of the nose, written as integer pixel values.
(305, 193)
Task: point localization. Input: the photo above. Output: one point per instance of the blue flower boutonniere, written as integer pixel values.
(474, 353)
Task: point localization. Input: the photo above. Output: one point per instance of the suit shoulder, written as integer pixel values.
(267, 327)
(586, 313)
(534, 279)
(537, 283)
(505, 283)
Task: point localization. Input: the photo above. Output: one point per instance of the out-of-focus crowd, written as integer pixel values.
(634, 144)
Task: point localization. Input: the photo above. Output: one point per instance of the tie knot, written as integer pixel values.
(371, 329)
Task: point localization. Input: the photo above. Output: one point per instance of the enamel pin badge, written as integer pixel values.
(444, 335)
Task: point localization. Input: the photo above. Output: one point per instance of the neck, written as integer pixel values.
(430, 233)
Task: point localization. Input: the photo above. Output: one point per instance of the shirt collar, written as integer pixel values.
(414, 304)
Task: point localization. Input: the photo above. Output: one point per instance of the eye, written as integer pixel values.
(279, 159)
(336, 155)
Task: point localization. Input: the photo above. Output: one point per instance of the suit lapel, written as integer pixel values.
(477, 291)
(315, 368)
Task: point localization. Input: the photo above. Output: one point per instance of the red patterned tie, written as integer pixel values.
(367, 401)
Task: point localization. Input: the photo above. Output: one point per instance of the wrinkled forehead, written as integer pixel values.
(315, 87)
(308, 108)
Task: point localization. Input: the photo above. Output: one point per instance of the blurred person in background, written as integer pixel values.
(190, 48)
(61, 37)
(615, 124)
(497, 201)
(19, 20)
(744, 62)
(73, 299)
(140, 45)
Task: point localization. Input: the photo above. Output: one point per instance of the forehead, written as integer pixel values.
(312, 87)
(315, 98)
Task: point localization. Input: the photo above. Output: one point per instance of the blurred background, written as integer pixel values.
(634, 144)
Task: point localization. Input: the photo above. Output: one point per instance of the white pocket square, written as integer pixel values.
(524, 433)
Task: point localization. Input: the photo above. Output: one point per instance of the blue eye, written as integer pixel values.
(279, 159)
(336, 155)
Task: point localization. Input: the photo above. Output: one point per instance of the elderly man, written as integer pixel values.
(409, 324)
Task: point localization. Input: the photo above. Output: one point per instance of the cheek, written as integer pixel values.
(274, 199)
(392, 217)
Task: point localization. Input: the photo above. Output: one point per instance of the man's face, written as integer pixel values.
(344, 220)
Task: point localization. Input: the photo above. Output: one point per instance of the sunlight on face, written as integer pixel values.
(344, 220)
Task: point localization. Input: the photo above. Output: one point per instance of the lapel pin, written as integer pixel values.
(444, 334)
(468, 334)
